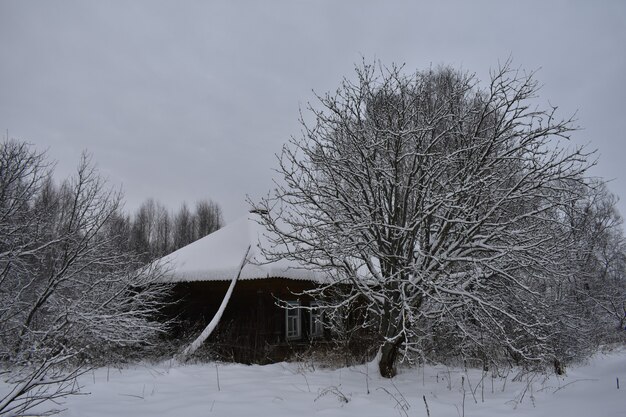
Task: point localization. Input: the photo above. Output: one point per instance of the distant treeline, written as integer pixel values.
(153, 231)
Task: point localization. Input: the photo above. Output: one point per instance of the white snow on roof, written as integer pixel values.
(217, 257)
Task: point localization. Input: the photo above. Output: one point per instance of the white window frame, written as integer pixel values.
(293, 321)
(316, 325)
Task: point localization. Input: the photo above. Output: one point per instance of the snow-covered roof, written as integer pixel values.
(218, 256)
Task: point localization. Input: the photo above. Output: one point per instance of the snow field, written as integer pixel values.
(302, 389)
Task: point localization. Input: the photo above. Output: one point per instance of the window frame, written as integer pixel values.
(316, 323)
(293, 314)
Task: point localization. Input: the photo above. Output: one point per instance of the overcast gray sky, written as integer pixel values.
(184, 100)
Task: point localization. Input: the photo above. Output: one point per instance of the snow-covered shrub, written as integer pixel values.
(69, 297)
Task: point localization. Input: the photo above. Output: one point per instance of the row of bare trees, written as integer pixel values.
(455, 217)
(70, 295)
(153, 231)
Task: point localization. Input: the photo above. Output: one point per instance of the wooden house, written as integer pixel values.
(256, 325)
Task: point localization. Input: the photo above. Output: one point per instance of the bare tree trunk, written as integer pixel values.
(388, 356)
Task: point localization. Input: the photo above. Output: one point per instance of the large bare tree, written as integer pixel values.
(430, 199)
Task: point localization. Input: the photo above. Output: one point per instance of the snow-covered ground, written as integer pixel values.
(302, 389)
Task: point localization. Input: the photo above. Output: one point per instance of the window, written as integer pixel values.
(292, 314)
(317, 325)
